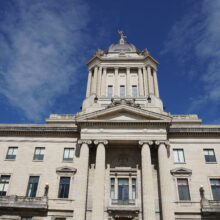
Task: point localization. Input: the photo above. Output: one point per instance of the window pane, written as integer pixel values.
(39, 153)
(209, 155)
(112, 188)
(4, 183)
(68, 154)
(64, 187)
(32, 186)
(123, 189)
(183, 189)
(133, 188)
(178, 155)
(110, 91)
(134, 91)
(122, 91)
(215, 185)
(12, 151)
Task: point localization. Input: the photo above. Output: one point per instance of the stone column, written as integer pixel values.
(81, 181)
(156, 88)
(99, 182)
(147, 182)
(165, 181)
(128, 86)
(146, 84)
(140, 82)
(88, 90)
(103, 84)
(98, 88)
(150, 81)
(116, 83)
(94, 80)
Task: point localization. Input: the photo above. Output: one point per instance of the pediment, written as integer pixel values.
(181, 171)
(124, 113)
(65, 170)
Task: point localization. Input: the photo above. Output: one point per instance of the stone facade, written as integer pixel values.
(123, 157)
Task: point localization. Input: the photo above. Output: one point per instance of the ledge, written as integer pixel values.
(22, 202)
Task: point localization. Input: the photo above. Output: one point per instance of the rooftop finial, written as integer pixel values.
(122, 34)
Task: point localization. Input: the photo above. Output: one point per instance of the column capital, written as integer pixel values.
(96, 142)
(84, 141)
(165, 142)
(145, 142)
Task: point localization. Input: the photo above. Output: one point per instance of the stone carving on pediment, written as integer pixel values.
(116, 102)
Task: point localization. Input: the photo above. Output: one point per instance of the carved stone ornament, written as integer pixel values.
(181, 171)
(145, 52)
(116, 102)
(66, 170)
(96, 142)
(145, 142)
(100, 52)
(84, 141)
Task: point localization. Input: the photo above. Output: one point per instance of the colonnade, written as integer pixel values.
(147, 81)
(148, 195)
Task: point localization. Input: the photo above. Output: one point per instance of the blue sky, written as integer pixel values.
(44, 46)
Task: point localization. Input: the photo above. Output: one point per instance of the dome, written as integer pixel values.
(122, 47)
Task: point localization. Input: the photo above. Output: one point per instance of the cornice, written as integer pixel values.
(202, 130)
(37, 130)
(121, 123)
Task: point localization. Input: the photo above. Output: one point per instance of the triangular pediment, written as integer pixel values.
(124, 113)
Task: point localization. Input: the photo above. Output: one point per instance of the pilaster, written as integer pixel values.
(128, 85)
(88, 90)
(165, 181)
(99, 181)
(81, 181)
(147, 181)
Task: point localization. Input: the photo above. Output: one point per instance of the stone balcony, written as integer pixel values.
(25, 203)
(123, 205)
(210, 206)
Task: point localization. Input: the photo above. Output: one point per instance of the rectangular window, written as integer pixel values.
(112, 188)
(4, 183)
(12, 152)
(39, 153)
(32, 186)
(123, 189)
(215, 185)
(178, 156)
(133, 188)
(64, 187)
(122, 91)
(183, 189)
(134, 91)
(26, 218)
(110, 91)
(60, 218)
(68, 154)
(209, 155)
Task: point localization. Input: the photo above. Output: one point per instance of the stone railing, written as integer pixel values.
(123, 202)
(184, 117)
(210, 206)
(62, 116)
(40, 203)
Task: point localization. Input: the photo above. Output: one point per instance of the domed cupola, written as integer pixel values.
(122, 46)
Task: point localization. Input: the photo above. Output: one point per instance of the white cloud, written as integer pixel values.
(195, 40)
(39, 45)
